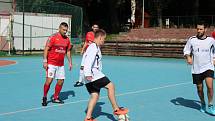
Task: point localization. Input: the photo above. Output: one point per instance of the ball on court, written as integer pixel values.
(123, 117)
(213, 34)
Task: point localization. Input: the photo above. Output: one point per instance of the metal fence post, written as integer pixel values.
(30, 39)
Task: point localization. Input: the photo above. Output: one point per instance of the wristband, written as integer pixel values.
(44, 60)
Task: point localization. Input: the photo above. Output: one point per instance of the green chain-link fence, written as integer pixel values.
(50, 7)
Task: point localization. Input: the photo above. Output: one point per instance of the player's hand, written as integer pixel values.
(82, 52)
(89, 78)
(214, 62)
(45, 65)
(70, 66)
(189, 60)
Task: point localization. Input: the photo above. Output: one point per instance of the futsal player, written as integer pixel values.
(89, 39)
(96, 79)
(199, 52)
(57, 46)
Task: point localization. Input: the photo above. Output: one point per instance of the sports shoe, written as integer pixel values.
(211, 110)
(44, 103)
(78, 84)
(203, 108)
(90, 119)
(57, 101)
(121, 111)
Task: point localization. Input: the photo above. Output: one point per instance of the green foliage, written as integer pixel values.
(111, 37)
(3, 53)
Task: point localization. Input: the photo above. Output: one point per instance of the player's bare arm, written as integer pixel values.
(83, 48)
(214, 61)
(68, 54)
(45, 54)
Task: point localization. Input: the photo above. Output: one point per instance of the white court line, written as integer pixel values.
(85, 100)
(17, 72)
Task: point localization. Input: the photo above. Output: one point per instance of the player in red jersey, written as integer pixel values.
(213, 34)
(89, 39)
(57, 46)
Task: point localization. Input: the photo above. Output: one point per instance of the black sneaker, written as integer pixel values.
(78, 84)
(57, 101)
(44, 103)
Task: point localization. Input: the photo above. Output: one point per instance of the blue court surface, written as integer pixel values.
(154, 89)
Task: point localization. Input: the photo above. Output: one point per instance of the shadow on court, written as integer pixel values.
(188, 103)
(63, 95)
(180, 101)
(98, 112)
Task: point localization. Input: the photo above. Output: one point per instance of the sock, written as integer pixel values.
(81, 76)
(209, 105)
(45, 90)
(57, 90)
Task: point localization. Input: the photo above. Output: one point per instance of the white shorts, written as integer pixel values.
(56, 72)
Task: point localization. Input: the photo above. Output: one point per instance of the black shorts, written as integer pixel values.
(96, 86)
(198, 78)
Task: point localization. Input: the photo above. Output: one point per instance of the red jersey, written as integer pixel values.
(59, 45)
(213, 34)
(89, 38)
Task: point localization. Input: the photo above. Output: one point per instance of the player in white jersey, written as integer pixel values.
(89, 39)
(96, 79)
(199, 52)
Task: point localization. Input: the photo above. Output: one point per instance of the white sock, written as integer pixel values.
(81, 76)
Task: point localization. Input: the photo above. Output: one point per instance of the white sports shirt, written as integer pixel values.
(92, 63)
(202, 52)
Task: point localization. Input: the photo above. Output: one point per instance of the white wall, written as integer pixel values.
(4, 23)
(43, 25)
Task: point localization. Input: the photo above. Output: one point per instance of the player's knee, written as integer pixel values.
(210, 89)
(95, 95)
(48, 81)
(110, 85)
(60, 82)
(200, 91)
(199, 87)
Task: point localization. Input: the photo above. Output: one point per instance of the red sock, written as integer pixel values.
(45, 90)
(57, 90)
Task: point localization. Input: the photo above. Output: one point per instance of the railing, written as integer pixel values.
(176, 21)
(144, 48)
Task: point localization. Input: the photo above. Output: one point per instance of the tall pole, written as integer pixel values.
(143, 16)
(23, 27)
(133, 8)
(30, 39)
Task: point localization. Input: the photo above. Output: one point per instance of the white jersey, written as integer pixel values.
(202, 52)
(92, 63)
(83, 58)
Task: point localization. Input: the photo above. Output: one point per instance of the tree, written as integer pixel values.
(159, 6)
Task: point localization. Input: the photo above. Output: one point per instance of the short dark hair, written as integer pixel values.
(64, 24)
(100, 32)
(202, 23)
